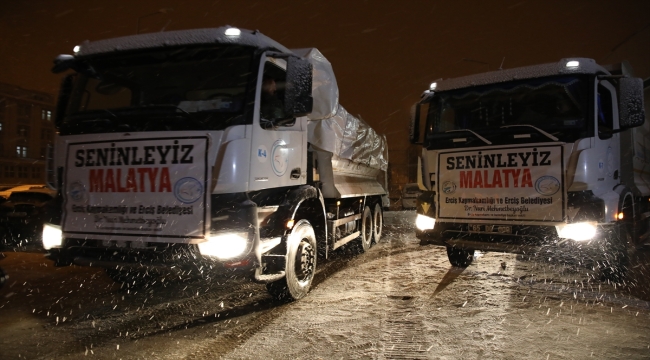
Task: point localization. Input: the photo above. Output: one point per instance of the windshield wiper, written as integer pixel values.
(93, 115)
(534, 127)
(131, 111)
(474, 133)
(151, 110)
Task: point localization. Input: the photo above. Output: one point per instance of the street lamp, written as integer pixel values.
(161, 11)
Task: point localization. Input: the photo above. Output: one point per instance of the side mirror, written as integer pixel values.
(64, 98)
(62, 63)
(630, 103)
(298, 100)
(414, 129)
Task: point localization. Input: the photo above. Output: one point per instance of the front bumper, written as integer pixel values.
(523, 239)
(160, 257)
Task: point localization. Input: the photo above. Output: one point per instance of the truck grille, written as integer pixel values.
(516, 235)
(131, 252)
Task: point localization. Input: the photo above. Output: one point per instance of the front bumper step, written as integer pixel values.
(107, 264)
(492, 246)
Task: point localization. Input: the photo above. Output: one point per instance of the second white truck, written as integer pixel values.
(210, 150)
(548, 160)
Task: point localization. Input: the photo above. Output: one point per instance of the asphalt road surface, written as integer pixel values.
(399, 300)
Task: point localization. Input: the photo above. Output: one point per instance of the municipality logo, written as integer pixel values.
(547, 185)
(77, 191)
(448, 187)
(188, 190)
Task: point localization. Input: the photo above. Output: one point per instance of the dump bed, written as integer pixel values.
(351, 155)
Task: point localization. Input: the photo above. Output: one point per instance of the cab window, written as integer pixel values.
(604, 112)
(272, 112)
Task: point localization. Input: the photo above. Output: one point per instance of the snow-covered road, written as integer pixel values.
(399, 300)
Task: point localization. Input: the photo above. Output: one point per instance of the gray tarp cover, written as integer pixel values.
(332, 128)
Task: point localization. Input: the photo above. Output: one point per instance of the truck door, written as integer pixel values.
(607, 142)
(278, 154)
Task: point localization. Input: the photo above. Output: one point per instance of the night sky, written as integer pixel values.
(384, 53)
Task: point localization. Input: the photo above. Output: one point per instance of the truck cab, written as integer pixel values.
(191, 151)
(533, 159)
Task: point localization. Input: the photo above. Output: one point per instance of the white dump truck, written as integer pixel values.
(551, 159)
(210, 150)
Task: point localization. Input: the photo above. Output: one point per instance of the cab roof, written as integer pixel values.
(563, 67)
(179, 38)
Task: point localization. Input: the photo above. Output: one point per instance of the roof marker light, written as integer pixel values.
(233, 32)
(433, 86)
(572, 64)
(76, 49)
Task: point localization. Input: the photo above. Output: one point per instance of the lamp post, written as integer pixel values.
(160, 11)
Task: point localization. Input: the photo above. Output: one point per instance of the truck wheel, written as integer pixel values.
(300, 265)
(460, 257)
(366, 229)
(613, 266)
(377, 223)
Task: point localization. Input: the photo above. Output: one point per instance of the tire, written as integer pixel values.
(377, 223)
(366, 229)
(300, 264)
(460, 257)
(616, 260)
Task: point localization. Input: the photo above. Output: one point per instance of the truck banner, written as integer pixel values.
(510, 183)
(144, 188)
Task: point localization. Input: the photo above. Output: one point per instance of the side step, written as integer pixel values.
(267, 278)
(346, 240)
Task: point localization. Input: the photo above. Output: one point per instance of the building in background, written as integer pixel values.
(26, 132)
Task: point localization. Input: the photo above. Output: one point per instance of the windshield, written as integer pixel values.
(539, 110)
(147, 91)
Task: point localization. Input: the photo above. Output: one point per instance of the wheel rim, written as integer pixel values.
(378, 223)
(367, 231)
(305, 258)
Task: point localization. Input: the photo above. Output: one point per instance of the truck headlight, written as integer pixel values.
(52, 236)
(423, 222)
(578, 231)
(225, 246)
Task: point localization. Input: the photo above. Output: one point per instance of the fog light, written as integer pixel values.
(578, 231)
(423, 222)
(225, 246)
(52, 236)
